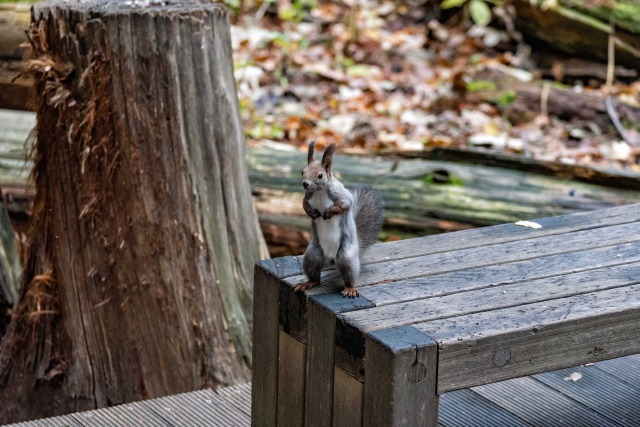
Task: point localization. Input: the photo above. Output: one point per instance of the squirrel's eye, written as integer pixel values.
(320, 176)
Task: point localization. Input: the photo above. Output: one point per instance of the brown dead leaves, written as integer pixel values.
(391, 77)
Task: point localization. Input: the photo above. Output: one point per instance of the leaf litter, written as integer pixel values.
(384, 75)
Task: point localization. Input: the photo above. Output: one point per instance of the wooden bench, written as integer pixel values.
(441, 313)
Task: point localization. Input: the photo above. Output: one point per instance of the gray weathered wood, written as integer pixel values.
(532, 247)
(501, 302)
(10, 268)
(553, 409)
(538, 337)
(487, 295)
(393, 288)
(320, 366)
(401, 373)
(212, 408)
(266, 336)
(143, 220)
(624, 405)
(500, 274)
(494, 297)
(323, 312)
(291, 381)
(467, 408)
(348, 393)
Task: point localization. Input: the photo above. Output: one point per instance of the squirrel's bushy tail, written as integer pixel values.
(369, 214)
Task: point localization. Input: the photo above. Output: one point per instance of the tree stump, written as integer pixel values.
(140, 273)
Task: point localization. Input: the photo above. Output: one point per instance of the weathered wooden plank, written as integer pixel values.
(505, 343)
(626, 369)
(538, 405)
(501, 233)
(265, 344)
(622, 404)
(494, 297)
(347, 400)
(129, 414)
(291, 381)
(501, 274)
(401, 374)
(320, 366)
(488, 296)
(293, 307)
(402, 269)
(206, 408)
(63, 421)
(323, 312)
(238, 396)
(465, 408)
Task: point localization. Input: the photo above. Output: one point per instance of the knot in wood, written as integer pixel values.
(501, 356)
(417, 372)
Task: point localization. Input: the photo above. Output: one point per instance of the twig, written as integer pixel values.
(544, 99)
(613, 115)
(611, 57)
(608, 89)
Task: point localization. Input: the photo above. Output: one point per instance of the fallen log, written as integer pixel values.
(449, 190)
(574, 27)
(424, 196)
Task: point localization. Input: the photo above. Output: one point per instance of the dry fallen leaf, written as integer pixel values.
(575, 376)
(528, 224)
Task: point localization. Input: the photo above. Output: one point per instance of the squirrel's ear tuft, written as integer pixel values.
(312, 145)
(327, 158)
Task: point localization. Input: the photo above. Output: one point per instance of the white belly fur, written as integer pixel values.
(329, 229)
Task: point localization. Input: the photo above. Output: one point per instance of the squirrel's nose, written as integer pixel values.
(305, 184)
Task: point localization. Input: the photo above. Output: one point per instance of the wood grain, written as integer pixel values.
(501, 274)
(291, 382)
(505, 343)
(401, 372)
(532, 247)
(495, 297)
(347, 400)
(264, 391)
(143, 225)
(323, 314)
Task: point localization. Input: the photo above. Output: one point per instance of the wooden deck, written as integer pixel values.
(607, 394)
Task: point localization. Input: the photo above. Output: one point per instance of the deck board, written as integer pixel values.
(540, 405)
(599, 398)
(599, 391)
(468, 408)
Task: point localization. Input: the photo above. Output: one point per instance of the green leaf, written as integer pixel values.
(478, 85)
(506, 98)
(480, 12)
(448, 4)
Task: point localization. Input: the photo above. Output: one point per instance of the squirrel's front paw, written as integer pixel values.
(350, 292)
(314, 214)
(304, 286)
(327, 215)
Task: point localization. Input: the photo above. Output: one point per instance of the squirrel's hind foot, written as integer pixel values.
(350, 292)
(304, 286)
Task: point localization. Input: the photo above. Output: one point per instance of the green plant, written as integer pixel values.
(298, 10)
(478, 10)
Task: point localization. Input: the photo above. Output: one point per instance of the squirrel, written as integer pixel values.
(344, 222)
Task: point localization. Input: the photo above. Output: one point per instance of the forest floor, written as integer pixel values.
(389, 76)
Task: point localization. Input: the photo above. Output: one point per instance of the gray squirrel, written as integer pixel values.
(344, 222)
